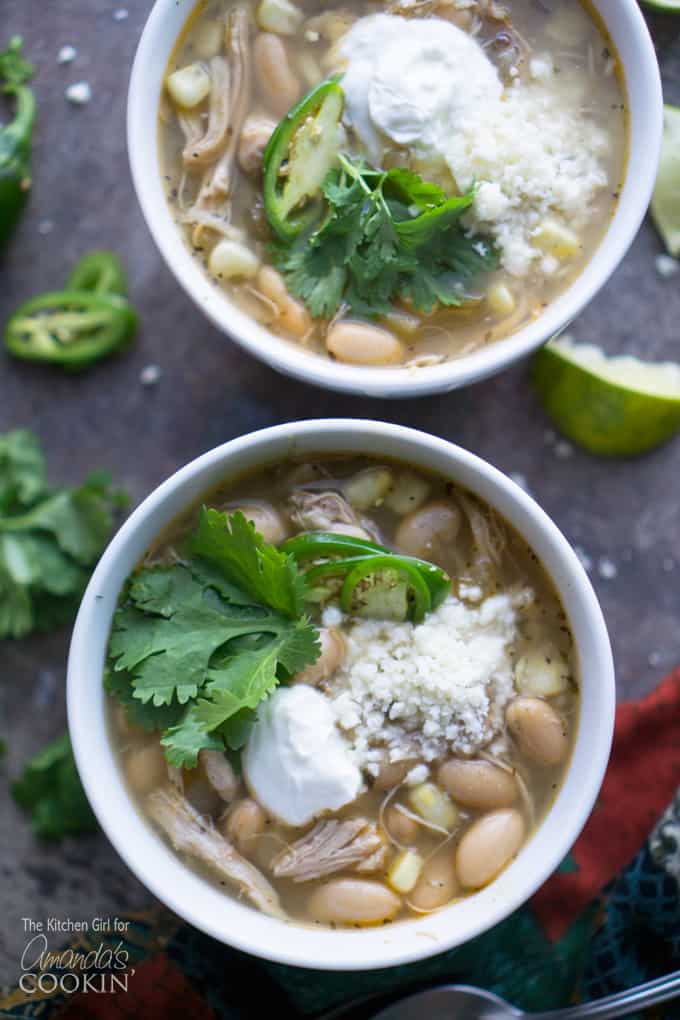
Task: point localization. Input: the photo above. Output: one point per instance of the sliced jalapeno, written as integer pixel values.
(345, 549)
(298, 156)
(100, 272)
(70, 328)
(373, 567)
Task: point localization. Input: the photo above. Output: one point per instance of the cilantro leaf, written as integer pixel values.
(49, 788)
(49, 540)
(14, 69)
(192, 652)
(22, 470)
(183, 742)
(387, 235)
(230, 542)
(168, 655)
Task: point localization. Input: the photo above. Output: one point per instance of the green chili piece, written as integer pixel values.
(298, 156)
(70, 328)
(322, 544)
(15, 138)
(100, 272)
(373, 565)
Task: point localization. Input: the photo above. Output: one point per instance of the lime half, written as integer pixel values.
(618, 406)
(666, 198)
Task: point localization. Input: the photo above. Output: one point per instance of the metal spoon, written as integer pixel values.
(461, 1002)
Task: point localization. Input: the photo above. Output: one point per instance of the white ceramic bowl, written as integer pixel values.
(629, 33)
(196, 899)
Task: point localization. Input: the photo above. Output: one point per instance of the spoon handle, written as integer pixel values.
(621, 1004)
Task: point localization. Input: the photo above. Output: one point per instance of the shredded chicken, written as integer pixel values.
(238, 53)
(191, 125)
(192, 834)
(219, 774)
(376, 862)
(208, 148)
(229, 101)
(323, 511)
(331, 846)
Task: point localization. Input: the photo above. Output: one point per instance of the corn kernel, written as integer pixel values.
(405, 871)
(501, 300)
(279, 16)
(433, 805)
(556, 239)
(189, 86)
(231, 260)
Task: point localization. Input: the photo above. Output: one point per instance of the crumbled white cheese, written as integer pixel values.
(120, 14)
(79, 93)
(296, 762)
(421, 691)
(531, 147)
(67, 54)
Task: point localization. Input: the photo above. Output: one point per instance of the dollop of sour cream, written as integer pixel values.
(413, 80)
(296, 762)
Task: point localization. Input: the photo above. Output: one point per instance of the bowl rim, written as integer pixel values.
(645, 106)
(196, 899)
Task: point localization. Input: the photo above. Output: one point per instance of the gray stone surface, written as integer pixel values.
(625, 512)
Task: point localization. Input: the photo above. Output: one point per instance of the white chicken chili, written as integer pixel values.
(343, 689)
(396, 182)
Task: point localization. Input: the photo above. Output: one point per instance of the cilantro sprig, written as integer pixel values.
(49, 789)
(387, 235)
(49, 538)
(196, 646)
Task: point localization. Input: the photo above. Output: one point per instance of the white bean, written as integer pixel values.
(278, 84)
(333, 651)
(540, 731)
(393, 773)
(488, 846)
(434, 523)
(437, 883)
(244, 823)
(478, 784)
(255, 134)
(146, 768)
(401, 826)
(353, 901)
(293, 316)
(358, 343)
(267, 520)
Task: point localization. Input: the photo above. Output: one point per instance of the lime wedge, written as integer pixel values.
(666, 199)
(663, 5)
(617, 406)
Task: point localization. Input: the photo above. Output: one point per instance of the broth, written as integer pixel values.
(420, 809)
(556, 46)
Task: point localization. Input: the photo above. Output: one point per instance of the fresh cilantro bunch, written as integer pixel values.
(387, 235)
(49, 538)
(50, 790)
(196, 646)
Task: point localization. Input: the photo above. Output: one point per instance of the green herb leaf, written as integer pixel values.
(231, 543)
(14, 69)
(193, 652)
(22, 470)
(49, 540)
(50, 790)
(387, 235)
